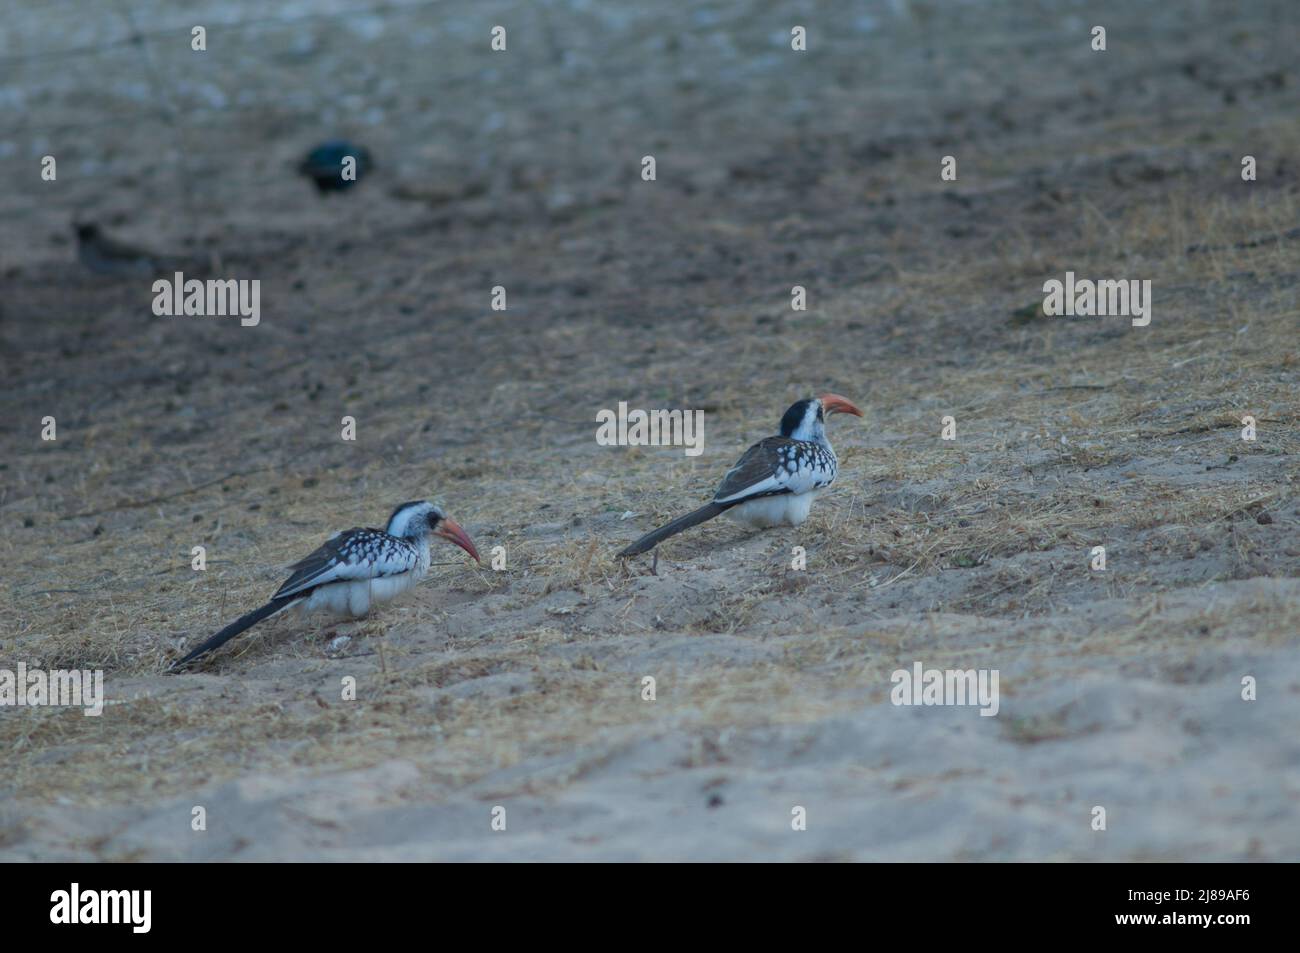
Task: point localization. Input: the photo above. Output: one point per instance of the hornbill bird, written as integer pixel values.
(354, 570)
(776, 480)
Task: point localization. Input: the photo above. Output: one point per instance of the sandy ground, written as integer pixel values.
(521, 688)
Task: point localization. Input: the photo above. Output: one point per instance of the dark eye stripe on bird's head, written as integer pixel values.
(794, 417)
(405, 506)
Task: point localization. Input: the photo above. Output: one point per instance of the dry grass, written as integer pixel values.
(1046, 463)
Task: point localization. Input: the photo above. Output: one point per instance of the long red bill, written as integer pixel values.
(835, 404)
(450, 530)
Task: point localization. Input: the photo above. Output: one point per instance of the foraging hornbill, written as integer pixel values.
(354, 570)
(776, 480)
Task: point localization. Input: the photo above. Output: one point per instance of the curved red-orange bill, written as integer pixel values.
(450, 530)
(835, 404)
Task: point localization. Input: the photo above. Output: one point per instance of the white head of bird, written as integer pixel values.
(420, 519)
(806, 419)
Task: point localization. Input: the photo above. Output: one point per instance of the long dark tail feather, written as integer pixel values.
(232, 630)
(651, 540)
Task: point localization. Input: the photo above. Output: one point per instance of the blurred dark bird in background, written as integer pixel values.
(324, 165)
(107, 256)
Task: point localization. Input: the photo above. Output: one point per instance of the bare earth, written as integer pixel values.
(522, 688)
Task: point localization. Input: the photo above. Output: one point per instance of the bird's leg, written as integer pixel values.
(371, 626)
(654, 564)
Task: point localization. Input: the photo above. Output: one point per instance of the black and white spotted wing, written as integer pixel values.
(351, 555)
(777, 465)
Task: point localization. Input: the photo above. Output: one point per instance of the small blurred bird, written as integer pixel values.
(106, 256)
(324, 165)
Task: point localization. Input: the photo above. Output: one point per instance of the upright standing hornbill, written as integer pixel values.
(354, 570)
(776, 480)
